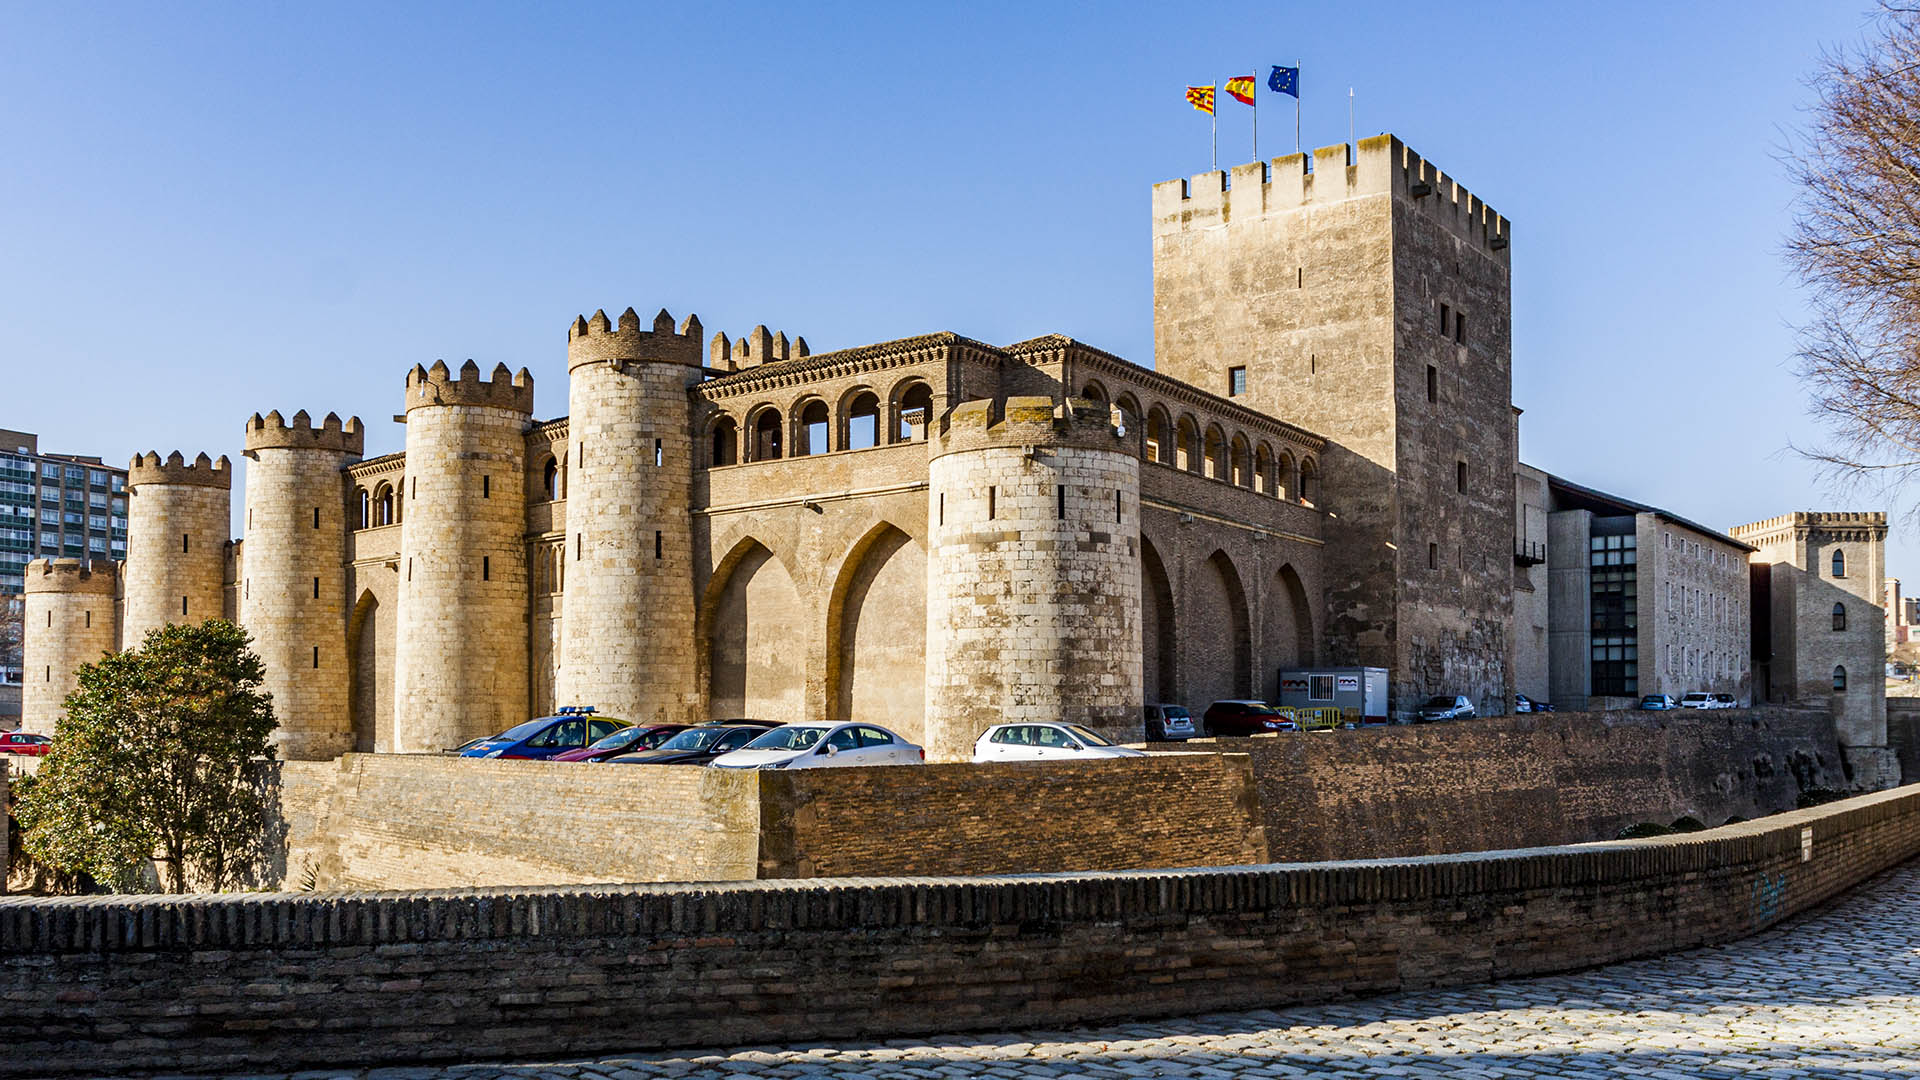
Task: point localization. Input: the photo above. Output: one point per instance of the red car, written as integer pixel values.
(627, 740)
(24, 742)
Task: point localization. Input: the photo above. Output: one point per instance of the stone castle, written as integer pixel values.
(934, 533)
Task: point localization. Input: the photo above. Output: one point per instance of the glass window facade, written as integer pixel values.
(1613, 560)
(56, 509)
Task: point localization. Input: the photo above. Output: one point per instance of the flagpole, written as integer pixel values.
(1296, 104)
(1256, 114)
(1349, 125)
(1213, 115)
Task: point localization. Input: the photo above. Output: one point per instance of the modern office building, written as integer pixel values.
(52, 506)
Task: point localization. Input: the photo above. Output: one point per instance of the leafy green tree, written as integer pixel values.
(158, 757)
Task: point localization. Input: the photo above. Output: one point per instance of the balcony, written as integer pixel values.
(1529, 552)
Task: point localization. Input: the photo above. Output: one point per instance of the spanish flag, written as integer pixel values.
(1241, 87)
(1201, 97)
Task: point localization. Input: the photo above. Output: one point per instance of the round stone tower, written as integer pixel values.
(460, 656)
(179, 518)
(293, 590)
(69, 622)
(628, 621)
(1033, 573)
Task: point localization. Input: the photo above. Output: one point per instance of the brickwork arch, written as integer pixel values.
(1159, 629)
(876, 627)
(755, 632)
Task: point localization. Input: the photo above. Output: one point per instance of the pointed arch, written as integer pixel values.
(1159, 637)
(1288, 641)
(370, 685)
(1216, 638)
(876, 633)
(755, 632)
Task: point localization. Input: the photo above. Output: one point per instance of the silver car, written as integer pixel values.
(1168, 723)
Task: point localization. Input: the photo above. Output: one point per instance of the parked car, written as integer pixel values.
(545, 737)
(1047, 742)
(1168, 723)
(1524, 704)
(26, 743)
(694, 746)
(817, 746)
(625, 740)
(1698, 700)
(1445, 707)
(1726, 701)
(1658, 703)
(1244, 718)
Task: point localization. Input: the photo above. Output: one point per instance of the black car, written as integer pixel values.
(694, 746)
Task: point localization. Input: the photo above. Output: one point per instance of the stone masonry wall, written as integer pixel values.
(286, 982)
(1521, 781)
(1033, 579)
(68, 621)
(1011, 817)
(424, 821)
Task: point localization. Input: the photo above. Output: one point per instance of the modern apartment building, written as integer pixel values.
(52, 506)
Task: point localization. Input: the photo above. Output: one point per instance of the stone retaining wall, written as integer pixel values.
(286, 981)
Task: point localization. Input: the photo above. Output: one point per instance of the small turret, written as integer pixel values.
(597, 340)
(437, 386)
(178, 528)
(68, 622)
(293, 591)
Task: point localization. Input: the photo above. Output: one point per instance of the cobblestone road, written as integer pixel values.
(1832, 994)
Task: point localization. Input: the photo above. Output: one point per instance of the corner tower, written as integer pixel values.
(460, 656)
(1364, 295)
(179, 519)
(628, 621)
(293, 592)
(1033, 573)
(69, 622)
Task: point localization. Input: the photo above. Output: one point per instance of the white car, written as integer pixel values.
(1046, 742)
(819, 746)
(1698, 700)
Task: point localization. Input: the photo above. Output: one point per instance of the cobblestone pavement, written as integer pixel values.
(1835, 993)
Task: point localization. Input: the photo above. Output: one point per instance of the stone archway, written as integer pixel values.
(756, 642)
(370, 682)
(877, 631)
(1159, 637)
(1216, 642)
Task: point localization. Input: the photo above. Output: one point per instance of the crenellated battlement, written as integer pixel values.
(1813, 519)
(598, 340)
(1381, 165)
(437, 386)
(71, 576)
(272, 432)
(148, 468)
(755, 348)
(1035, 421)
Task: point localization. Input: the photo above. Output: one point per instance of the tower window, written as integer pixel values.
(486, 487)
(992, 492)
(657, 544)
(1460, 328)
(316, 517)
(1236, 381)
(659, 455)
(579, 546)
(1460, 476)
(940, 515)
(1839, 678)
(183, 605)
(186, 544)
(486, 568)
(1433, 383)
(1060, 501)
(1839, 616)
(49, 617)
(89, 616)
(316, 657)
(1433, 556)
(1839, 563)
(409, 569)
(1116, 504)
(1446, 317)
(316, 588)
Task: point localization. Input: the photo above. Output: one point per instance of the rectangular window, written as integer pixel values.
(1446, 315)
(316, 657)
(991, 493)
(659, 455)
(183, 605)
(1433, 556)
(184, 544)
(579, 546)
(316, 588)
(1319, 688)
(1060, 501)
(486, 568)
(316, 517)
(1460, 328)
(486, 487)
(941, 513)
(409, 569)
(1236, 381)
(656, 544)
(1116, 505)
(1433, 383)
(1460, 476)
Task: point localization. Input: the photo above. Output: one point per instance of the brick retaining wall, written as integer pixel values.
(284, 981)
(1521, 781)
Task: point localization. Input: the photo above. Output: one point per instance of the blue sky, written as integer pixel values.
(208, 211)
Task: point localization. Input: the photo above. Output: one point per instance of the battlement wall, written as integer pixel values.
(437, 386)
(1813, 519)
(86, 977)
(1380, 165)
(272, 432)
(71, 576)
(597, 340)
(148, 468)
(755, 348)
(1022, 421)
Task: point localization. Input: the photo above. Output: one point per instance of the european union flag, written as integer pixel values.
(1285, 80)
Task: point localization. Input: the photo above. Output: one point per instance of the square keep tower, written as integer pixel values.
(1365, 296)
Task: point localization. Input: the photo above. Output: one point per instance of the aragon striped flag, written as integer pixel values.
(1241, 88)
(1201, 97)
